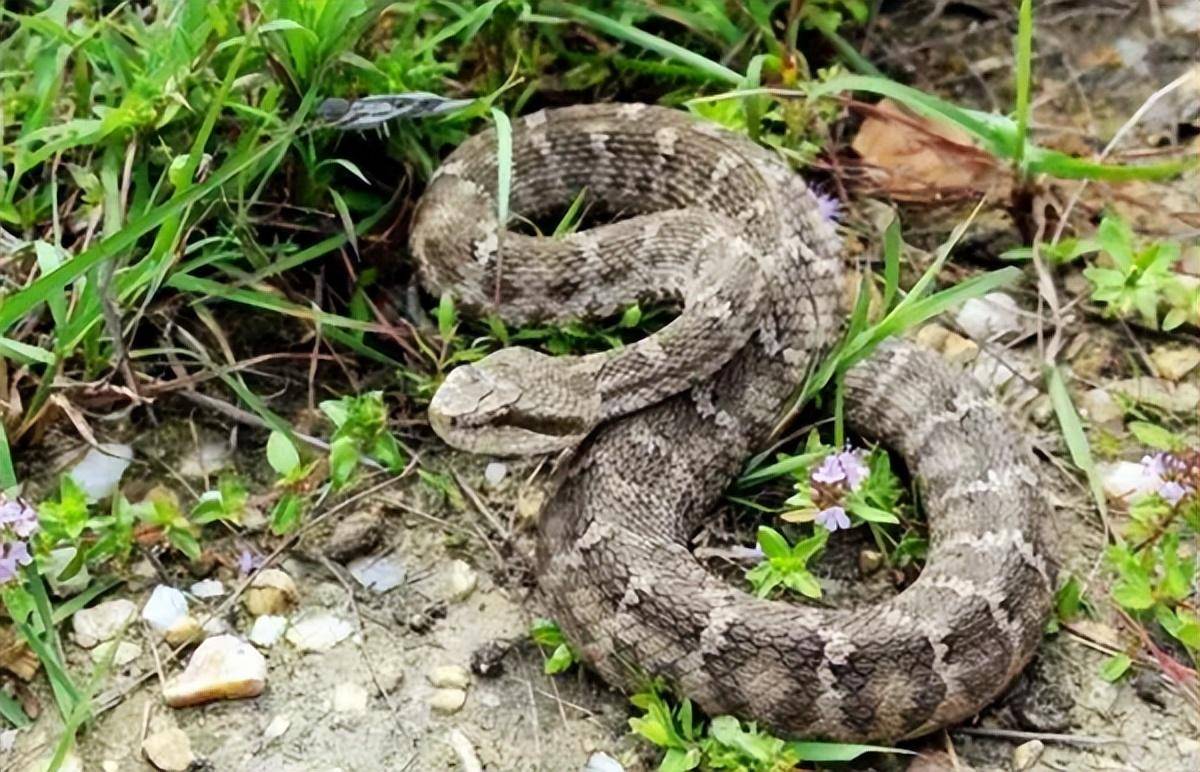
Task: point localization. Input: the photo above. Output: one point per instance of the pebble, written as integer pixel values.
(1124, 480)
(1174, 363)
(319, 632)
(1160, 393)
(602, 762)
(206, 460)
(447, 700)
(102, 622)
(449, 677)
(186, 630)
(277, 728)
(271, 592)
(869, 561)
(209, 588)
(1027, 754)
(165, 608)
(378, 574)
(354, 535)
(221, 668)
(169, 750)
(349, 697)
(953, 347)
(100, 471)
(125, 653)
(991, 316)
(267, 630)
(461, 581)
(110, 766)
(1099, 407)
(494, 473)
(462, 746)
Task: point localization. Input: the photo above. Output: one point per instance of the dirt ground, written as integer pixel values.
(1096, 68)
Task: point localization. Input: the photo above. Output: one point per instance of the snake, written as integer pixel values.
(650, 435)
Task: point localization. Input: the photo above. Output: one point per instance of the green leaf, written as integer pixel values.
(1115, 667)
(546, 632)
(387, 452)
(679, 760)
(282, 454)
(336, 410)
(819, 751)
(631, 317)
(869, 513)
(803, 582)
(562, 658)
(285, 515)
(447, 316)
(773, 544)
(1116, 238)
(1155, 436)
(343, 460)
(1133, 591)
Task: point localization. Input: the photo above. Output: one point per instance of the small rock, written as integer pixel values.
(267, 630)
(216, 626)
(1027, 754)
(109, 765)
(1160, 393)
(423, 620)
(869, 561)
(349, 697)
(462, 746)
(602, 762)
(209, 588)
(952, 346)
(1174, 363)
(447, 700)
(449, 677)
(461, 581)
(165, 609)
(991, 371)
(206, 460)
(102, 622)
(354, 535)
(277, 728)
(99, 473)
(169, 750)
(991, 316)
(1125, 480)
(378, 574)
(488, 660)
(185, 630)
(125, 653)
(271, 592)
(319, 632)
(56, 561)
(1099, 407)
(221, 668)
(494, 473)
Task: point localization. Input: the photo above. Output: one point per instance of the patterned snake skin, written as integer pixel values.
(660, 428)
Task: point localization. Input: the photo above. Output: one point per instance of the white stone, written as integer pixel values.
(99, 473)
(349, 697)
(165, 609)
(494, 473)
(206, 460)
(125, 653)
(449, 677)
(465, 750)
(991, 371)
(277, 728)
(169, 750)
(209, 588)
(221, 668)
(319, 632)
(1027, 754)
(461, 580)
(216, 626)
(108, 765)
(1099, 407)
(447, 700)
(267, 630)
(993, 315)
(102, 622)
(379, 574)
(1125, 480)
(602, 762)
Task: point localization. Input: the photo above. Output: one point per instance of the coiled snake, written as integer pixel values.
(662, 426)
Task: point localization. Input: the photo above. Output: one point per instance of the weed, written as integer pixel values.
(547, 635)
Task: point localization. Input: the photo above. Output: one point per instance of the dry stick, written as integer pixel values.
(118, 697)
(1112, 144)
(1014, 734)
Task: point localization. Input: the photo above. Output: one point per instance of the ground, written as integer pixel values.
(1097, 63)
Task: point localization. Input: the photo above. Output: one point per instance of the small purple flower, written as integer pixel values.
(19, 516)
(829, 207)
(833, 518)
(854, 467)
(248, 561)
(830, 471)
(12, 556)
(1172, 492)
(1154, 466)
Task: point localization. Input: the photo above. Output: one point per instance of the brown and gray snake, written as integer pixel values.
(661, 427)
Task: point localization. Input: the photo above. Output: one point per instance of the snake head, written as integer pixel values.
(515, 402)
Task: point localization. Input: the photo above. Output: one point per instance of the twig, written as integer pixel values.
(1014, 734)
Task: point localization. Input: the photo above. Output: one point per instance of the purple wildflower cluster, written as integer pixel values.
(1173, 476)
(18, 521)
(840, 474)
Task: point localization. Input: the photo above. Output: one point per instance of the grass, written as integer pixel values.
(165, 178)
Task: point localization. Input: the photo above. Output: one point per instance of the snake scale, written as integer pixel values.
(660, 428)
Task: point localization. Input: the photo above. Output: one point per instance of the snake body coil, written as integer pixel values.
(726, 229)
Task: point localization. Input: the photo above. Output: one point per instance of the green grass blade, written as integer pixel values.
(8, 476)
(12, 712)
(1075, 437)
(1024, 58)
(818, 751)
(503, 165)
